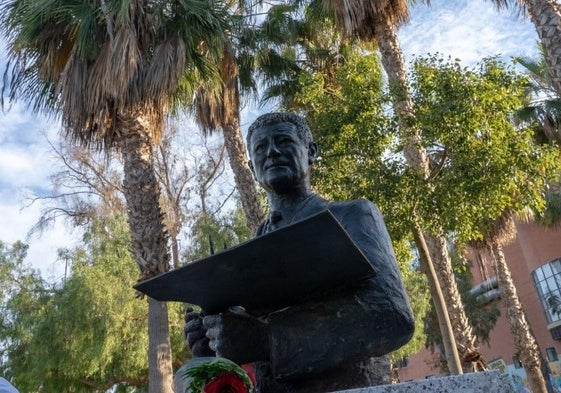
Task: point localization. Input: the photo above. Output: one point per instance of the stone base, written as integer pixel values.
(482, 382)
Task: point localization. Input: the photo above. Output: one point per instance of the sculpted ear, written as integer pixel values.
(312, 152)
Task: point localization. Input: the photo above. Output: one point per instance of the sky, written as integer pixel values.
(465, 29)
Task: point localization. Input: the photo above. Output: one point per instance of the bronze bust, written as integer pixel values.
(317, 345)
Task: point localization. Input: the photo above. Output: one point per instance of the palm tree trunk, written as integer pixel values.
(463, 332)
(243, 177)
(427, 266)
(416, 156)
(524, 342)
(160, 372)
(234, 143)
(546, 17)
(149, 241)
(394, 65)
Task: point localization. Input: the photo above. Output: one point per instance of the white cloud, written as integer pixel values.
(26, 162)
(468, 30)
(25, 158)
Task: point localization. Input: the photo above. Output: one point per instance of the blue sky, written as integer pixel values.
(466, 29)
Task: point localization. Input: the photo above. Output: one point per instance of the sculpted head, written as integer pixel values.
(282, 117)
(281, 150)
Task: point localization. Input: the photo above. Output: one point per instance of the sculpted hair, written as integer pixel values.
(302, 128)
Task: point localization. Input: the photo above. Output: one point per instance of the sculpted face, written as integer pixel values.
(280, 159)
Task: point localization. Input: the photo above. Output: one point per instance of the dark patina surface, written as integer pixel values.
(330, 341)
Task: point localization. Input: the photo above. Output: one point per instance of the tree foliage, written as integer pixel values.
(23, 296)
(418, 291)
(481, 163)
(211, 234)
(87, 333)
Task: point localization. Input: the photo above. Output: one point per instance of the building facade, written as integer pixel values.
(534, 259)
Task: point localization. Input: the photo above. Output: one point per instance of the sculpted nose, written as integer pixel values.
(273, 151)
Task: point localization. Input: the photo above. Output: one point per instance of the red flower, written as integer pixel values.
(227, 382)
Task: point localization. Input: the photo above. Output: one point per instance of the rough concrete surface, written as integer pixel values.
(482, 382)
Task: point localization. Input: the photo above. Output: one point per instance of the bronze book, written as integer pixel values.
(269, 272)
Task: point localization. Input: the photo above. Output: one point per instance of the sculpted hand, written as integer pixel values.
(195, 336)
(238, 337)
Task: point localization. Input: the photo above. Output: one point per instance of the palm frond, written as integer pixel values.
(543, 107)
(208, 106)
(520, 5)
(165, 69)
(360, 17)
(248, 84)
(94, 63)
(283, 92)
(551, 215)
(122, 64)
(280, 26)
(501, 230)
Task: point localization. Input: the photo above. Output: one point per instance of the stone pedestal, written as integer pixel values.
(482, 382)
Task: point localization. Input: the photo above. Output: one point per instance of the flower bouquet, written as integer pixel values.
(217, 375)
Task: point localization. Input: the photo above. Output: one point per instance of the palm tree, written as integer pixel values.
(543, 109)
(289, 47)
(112, 69)
(543, 113)
(546, 17)
(499, 232)
(377, 21)
(220, 109)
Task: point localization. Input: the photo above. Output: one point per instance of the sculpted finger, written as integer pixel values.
(189, 316)
(201, 348)
(194, 337)
(194, 324)
(213, 333)
(211, 321)
(212, 345)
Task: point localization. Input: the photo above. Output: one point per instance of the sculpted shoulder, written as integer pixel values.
(354, 210)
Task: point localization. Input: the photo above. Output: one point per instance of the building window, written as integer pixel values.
(547, 279)
(516, 362)
(551, 354)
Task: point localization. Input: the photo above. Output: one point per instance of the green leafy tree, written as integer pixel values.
(484, 167)
(23, 294)
(419, 294)
(88, 333)
(481, 162)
